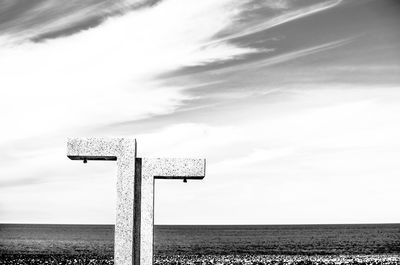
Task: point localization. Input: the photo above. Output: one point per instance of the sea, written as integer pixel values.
(346, 239)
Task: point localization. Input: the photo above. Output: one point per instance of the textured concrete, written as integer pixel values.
(161, 168)
(176, 168)
(135, 191)
(124, 151)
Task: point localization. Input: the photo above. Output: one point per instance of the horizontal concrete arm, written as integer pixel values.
(175, 168)
(99, 148)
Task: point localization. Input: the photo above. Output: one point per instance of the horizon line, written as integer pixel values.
(283, 224)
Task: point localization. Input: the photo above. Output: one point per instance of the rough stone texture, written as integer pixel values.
(135, 191)
(147, 215)
(124, 225)
(94, 148)
(124, 151)
(161, 168)
(176, 168)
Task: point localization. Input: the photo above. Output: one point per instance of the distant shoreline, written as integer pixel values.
(216, 225)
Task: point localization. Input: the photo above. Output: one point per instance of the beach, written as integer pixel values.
(209, 260)
(197, 245)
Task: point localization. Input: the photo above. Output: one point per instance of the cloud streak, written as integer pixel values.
(287, 57)
(25, 20)
(286, 17)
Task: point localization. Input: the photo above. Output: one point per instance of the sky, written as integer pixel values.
(295, 104)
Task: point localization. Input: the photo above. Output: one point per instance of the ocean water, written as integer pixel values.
(199, 239)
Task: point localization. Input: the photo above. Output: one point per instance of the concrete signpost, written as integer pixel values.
(135, 191)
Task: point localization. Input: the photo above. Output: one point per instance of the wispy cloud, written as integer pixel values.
(288, 56)
(33, 20)
(283, 18)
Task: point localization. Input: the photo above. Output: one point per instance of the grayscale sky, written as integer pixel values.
(294, 103)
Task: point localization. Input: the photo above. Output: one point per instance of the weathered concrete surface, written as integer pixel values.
(135, 191)
(161, 168)
(124, 151)
(176, 168)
